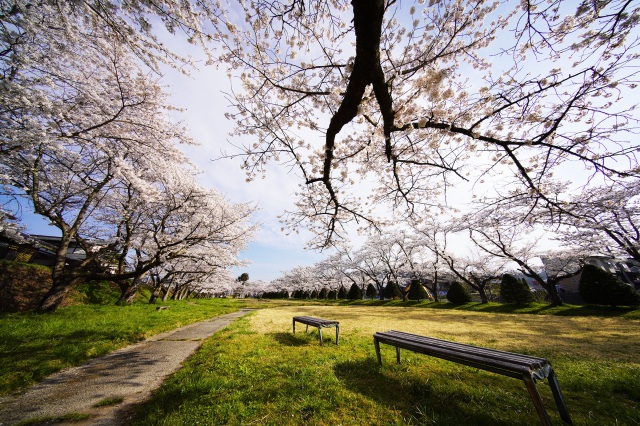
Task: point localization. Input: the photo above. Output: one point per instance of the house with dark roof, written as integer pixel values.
(37, 249)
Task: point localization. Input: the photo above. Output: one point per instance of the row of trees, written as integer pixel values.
(88, 143)
(477, 249)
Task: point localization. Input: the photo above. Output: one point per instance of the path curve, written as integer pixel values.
(130, 373)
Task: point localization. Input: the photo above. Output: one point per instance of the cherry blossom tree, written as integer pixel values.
(601, 220)
(299, 278)
(477, 270)
(381, 259)
(253, 288)
(431, 274)
(381, 91)
(90, 144)
(502, 235)
(331, 271)
(432, 235)
(194, 230)
(341, 265)
(370, 97)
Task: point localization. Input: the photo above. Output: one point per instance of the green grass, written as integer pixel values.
(106, 402)
(67, 418)
(35, 346)
(257, 372)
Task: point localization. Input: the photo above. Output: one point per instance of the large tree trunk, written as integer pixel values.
(552, 292)
(483, 295)
(62, 283)
(157, 292)
(128, 291)
(54, 297)
(167, 293)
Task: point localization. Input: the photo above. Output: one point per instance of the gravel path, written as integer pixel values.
(129, 374)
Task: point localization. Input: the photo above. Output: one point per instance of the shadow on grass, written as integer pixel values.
(289, 339)
(416, 398)
(546, 309)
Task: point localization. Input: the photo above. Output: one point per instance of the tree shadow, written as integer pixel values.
(290, 339)
(422, 401)
(364, 377)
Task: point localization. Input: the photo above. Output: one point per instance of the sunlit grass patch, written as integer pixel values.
(66, 418)
(106, 402)
(258, 372)
(35, 346)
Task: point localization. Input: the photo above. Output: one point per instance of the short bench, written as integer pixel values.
(317, 322)
(524, 367)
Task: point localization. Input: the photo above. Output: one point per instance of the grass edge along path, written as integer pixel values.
(33, 347)
(257, 372)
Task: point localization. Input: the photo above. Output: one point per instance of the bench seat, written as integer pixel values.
(524, 367)
(317, 322)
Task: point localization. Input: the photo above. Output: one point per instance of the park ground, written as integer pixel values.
(257, 372)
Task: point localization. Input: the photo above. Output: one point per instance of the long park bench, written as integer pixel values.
(524, 367)
(317, 322)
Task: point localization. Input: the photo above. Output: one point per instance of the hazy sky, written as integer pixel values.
(201, 96)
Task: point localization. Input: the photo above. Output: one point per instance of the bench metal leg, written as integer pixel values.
(320, 333)
(307, 329)
(557, 395)
(337, 333)
(537, 401)
(376, 343)
(377, 346)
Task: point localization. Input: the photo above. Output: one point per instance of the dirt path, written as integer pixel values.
(129, 374)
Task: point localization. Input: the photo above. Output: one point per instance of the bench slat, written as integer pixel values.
(525, 367)
(317, 322)
(500, 359)
(495, 365)
(472, 348)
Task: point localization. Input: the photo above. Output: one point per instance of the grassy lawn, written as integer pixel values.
(257, 372)
(35, 346)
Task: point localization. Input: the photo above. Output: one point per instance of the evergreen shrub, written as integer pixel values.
(458, 293)
(599, 287)
(371, 291)
(342, 292)
(417, 291)
(392, 291)
(354, 292)
(513, 290)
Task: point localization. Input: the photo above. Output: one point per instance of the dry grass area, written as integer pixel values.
(612, 339)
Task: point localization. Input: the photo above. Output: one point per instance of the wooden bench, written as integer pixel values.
(317, 322)
(524, 367)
